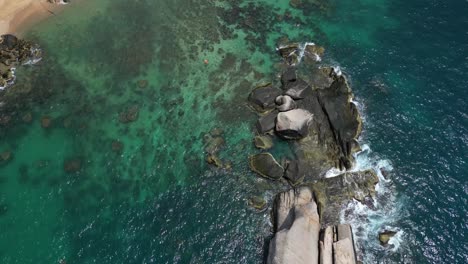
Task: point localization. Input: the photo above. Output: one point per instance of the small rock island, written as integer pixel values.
(311, 108)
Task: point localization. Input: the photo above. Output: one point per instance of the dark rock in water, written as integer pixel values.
(27, 118)
(266, 123)
(46, 121)
(263, 142)
(333, 193)
(288, 76)
(257, 202)
(343, 117)
(295, 172)
(215, 160)
(266, 165)
(117, 146)
(285, 103)
(72, 165)
(129, 115)
(293, 124)
(298, 89)
(142, 84)
(214, 144)
(263, 98)
(385, 236)
(5, 156)
(289, 52)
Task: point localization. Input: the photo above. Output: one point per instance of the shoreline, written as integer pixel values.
(19, 15)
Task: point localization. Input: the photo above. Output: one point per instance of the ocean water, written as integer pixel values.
(119, 175)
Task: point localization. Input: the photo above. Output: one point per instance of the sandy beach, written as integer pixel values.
(16, 15)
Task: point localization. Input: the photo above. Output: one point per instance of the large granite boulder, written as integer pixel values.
(297, 228)
(285, 103)
(293, 124)
(266, 166)
(262, 98)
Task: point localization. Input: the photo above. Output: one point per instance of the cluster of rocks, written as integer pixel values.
(313, 111)
(13, 53)
(298, 237)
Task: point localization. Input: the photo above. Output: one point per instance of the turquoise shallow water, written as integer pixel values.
(156, 200)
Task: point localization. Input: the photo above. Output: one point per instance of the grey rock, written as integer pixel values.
(266, 123)
(266, 166)
(298, 89)
(297, 228)
(293, 124)
(288, 76)
(285, 103)
(262, 98)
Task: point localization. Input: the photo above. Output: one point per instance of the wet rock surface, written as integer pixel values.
(298, 236)
(385, 236)
(13, 53)
(266, 166)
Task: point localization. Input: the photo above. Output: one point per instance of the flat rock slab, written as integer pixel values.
(266, 166)
(263, 98)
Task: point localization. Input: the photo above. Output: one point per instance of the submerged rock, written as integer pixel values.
(293, 124)
(72, 165)
(263, 142)
(129, 115)
(266, 166)
(5, 156)
(117, 146)
(257, 202)
(385, 236)
(46, 121)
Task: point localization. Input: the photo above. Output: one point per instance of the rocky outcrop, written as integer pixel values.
(263, 142)
(317, 116)
(266, 166)
(262, 98)
(297, 228)
(13, 53)
(335, 192)
(384, 237)
(293, 124)
(297, 233)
